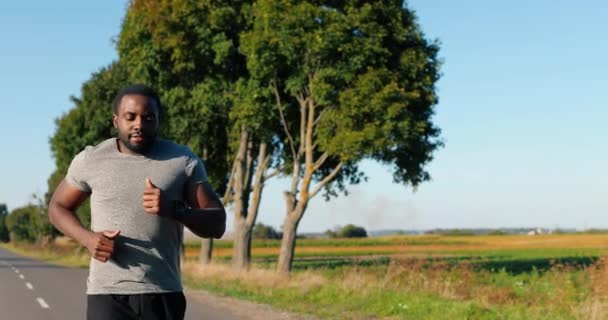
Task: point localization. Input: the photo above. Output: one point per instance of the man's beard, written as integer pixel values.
(140, 148)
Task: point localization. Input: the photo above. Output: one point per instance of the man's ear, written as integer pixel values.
(114, 119)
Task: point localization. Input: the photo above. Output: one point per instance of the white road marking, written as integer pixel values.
(29, 286)
(42, 303)
(21, 276)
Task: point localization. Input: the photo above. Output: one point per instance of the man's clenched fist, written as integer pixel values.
(101, 244)
(153, 200)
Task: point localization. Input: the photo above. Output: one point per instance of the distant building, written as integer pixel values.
(535, 232)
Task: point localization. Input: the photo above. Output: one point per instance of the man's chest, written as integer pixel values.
(125, 180)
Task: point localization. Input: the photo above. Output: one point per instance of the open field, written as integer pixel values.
(511, 250)
(414, 277)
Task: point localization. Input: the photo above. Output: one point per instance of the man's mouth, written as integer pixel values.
(136, 137)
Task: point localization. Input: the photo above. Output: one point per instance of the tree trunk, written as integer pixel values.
(241, 256)
(206, 250)
(240, 253)
(206, 253)
(288, 243)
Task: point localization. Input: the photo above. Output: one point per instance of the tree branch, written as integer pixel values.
(283, 121)
(327, 179)
(295, 179)
(303, 103)
(323, 112)
(273, 174)
(320, 161)
(258, 185)
(228, 194)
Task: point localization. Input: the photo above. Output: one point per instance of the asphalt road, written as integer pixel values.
(32, 289)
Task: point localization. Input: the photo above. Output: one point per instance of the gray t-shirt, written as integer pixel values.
(147, 253)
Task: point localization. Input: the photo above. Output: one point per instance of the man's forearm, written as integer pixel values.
(67, 222)
(205, 223)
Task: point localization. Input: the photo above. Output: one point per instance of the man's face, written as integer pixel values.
(136, 120)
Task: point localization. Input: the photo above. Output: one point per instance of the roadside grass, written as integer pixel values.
(55, 253)
(417, 289)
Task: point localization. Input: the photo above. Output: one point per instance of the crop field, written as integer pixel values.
(497, 251)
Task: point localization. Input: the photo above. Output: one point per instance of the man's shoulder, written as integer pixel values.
(100, 148)
(91, 154)
(172, 147)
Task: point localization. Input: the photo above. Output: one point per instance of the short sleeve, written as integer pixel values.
(76, 175)
(195, 170)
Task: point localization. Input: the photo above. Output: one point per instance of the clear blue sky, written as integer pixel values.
(522, 108)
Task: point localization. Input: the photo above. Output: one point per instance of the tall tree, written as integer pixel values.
(27, 223)
(352, 80)
(253, 117)
(189, 50)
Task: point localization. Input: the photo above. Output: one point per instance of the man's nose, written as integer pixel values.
(138, 122)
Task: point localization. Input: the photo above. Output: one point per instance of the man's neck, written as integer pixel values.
(124, 149)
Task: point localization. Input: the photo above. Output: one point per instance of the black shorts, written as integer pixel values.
(165, 306)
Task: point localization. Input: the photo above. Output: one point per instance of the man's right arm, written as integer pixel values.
(62, 214)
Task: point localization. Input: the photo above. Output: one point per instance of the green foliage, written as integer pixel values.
(352, 231)
(366, 68)
(348, 231)
(4, 236)
(262, 231)
(26, 223)
(181, 42)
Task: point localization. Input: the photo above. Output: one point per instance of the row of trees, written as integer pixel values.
(347, 231)
(259, 89)
(262, 231)
(29, 223)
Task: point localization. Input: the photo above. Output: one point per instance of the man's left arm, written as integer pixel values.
(206, 216)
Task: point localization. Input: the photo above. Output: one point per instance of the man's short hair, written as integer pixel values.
(139, 89)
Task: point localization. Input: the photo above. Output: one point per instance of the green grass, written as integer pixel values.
(532, 295)
(71, 258)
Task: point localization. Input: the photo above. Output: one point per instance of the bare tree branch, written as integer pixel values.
(283, 121)
(320, 161)
(327, 179)
(273, 173)
(248, 167)
(258, 184)
(303, 103)
(228, 194)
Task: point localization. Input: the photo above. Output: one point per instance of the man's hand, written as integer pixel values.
(101, 244)
(153, 200)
